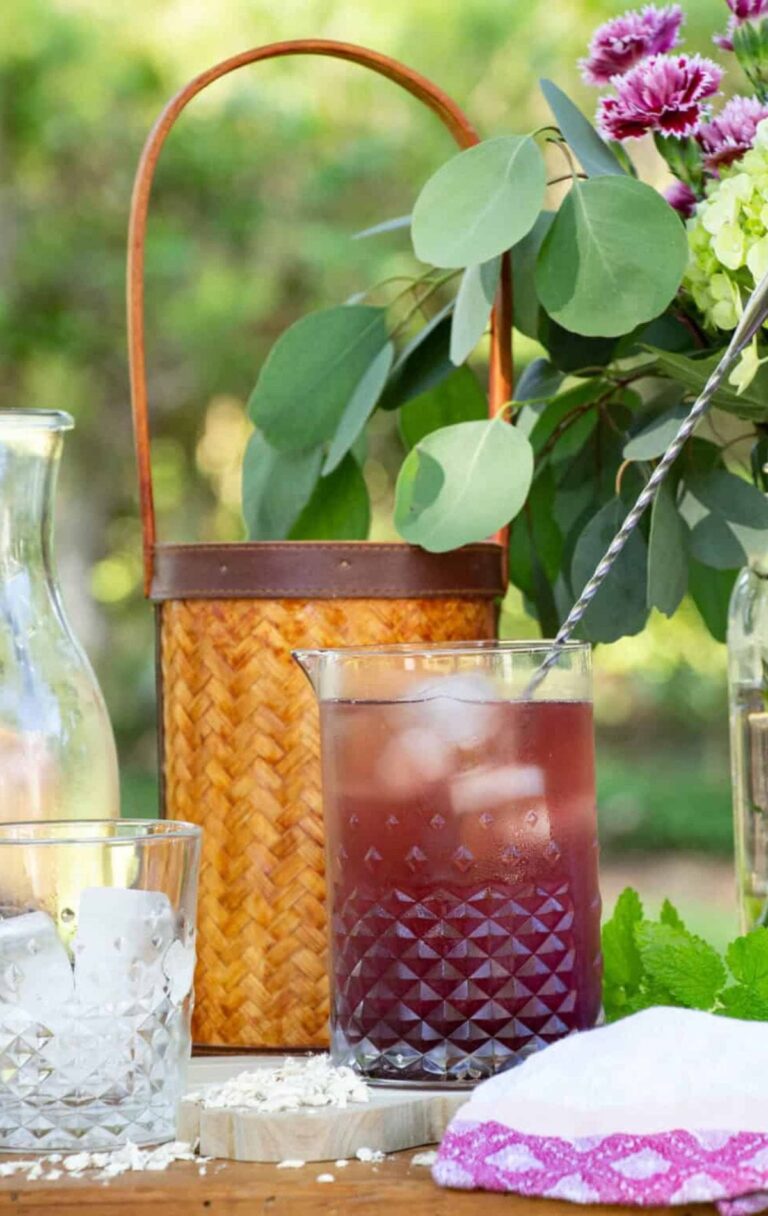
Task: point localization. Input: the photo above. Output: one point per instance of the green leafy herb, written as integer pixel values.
(647, 962)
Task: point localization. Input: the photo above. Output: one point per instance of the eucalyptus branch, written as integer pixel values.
(565, 177)
(566, 151)
(395, 278)
(566, 422)
(433, 287)
(625, 464)
(547, 127)
(413, 284)
(606, 417)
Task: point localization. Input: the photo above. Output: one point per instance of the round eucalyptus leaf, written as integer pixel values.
(538, 382)
(655, 438)
(595, 156)
(480, 203)
(524, 258)
(312, 372)
(728, 519)
(276, 487)
(667, 553)
(613, 259)
(570, 352)
(472, 310)
(339, 508)
(619, 609)
(423, 363)
(393, 225)
(457, 399)
(711, 593)
(360, 406)
(462, 483)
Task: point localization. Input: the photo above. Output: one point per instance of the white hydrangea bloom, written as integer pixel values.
(728, 243)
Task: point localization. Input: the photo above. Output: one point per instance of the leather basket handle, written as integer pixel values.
(452, 117)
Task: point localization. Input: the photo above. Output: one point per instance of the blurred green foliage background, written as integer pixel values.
(260, 187)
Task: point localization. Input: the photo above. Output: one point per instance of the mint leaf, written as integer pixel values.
(622, 966)
(669, 915)
(747, 958)
(686, 966)
(743, 1002)
(649, 997)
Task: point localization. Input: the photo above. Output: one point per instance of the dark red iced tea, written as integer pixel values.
(463, 879)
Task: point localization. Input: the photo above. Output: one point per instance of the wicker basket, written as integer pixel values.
(238, 725)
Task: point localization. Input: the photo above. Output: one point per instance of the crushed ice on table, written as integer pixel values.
(426, 1159)
(129, 1158)
(370, 1154)
(121, 939)
(35, 971)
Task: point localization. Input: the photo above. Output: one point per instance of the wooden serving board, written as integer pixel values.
(393, 1119)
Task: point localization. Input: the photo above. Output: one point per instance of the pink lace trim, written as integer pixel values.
(668, 1168)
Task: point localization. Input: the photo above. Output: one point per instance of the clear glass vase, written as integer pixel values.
(748, 695)
(57, 749)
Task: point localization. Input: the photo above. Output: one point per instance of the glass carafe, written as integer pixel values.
(460, 825)
(57, 749)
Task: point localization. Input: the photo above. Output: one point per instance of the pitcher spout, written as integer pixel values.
(310, 663)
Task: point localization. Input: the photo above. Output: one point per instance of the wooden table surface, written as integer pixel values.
(394, 1187)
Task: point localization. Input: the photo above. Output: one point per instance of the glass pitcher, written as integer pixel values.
(748, 696)
(57, 750)
(461, 855)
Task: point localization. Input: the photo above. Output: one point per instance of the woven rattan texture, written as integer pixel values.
(241, 758)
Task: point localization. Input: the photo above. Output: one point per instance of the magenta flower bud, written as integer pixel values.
(747, 10)
(731, 133)
(663, 94)
(623, 42)
(680, 196)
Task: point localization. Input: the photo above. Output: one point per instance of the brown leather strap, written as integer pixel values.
(500, 379)
(320, 570)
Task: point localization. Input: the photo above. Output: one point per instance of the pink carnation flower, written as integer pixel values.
(747, 10)
(680, 196)
(621, 43)
(663, 94)
(732, 132)
(741, 11)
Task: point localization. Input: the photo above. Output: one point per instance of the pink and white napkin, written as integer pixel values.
(667, 1107)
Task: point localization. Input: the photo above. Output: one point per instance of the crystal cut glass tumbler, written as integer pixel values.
(97, 954)
(459, 807)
